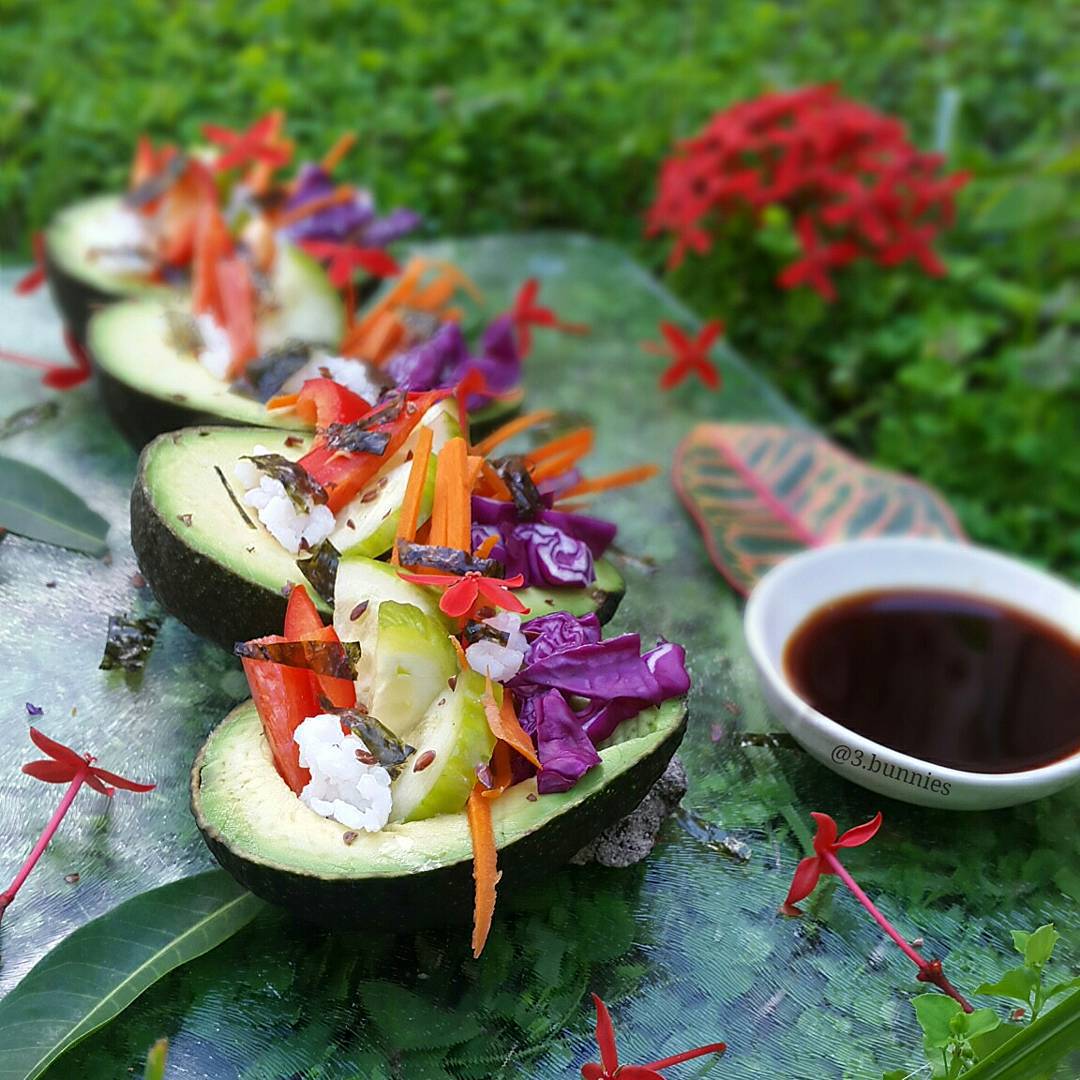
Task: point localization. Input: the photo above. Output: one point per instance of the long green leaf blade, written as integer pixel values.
(96, 972)
(1037, 1050)
(34, 505)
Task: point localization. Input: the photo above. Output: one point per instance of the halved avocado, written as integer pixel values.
(80, 286)
(149, 386)
(211, 563)
(420, 871)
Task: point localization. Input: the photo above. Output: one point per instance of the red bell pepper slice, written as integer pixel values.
(237, 294)
(344, 474)
(180, 212)
(284, 697)
(304, 623)
(322, 402)
(212, 244)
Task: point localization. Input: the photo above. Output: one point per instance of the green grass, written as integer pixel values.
(534, 114)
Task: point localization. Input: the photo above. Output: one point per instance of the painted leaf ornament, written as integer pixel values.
(761, 492)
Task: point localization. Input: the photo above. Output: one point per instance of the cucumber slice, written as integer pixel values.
(413, 662)
(456, 731)
(363, 582)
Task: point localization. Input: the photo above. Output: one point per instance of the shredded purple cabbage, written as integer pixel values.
(567, 661)
(353, 221)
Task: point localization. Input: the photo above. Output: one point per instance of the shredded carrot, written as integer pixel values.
(484, 550)
(612, 480)
(485, 866)
(414, 490)
(315, 206)
(578, 442)
(446, 509)
(473, 466)
(494, 483)
(553, 467)
(501, 773)
(283, 401)
(504, 723)
(509, 430)
(332, 158)
(462, 660)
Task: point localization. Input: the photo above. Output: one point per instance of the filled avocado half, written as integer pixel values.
(150, 386)
(419, 870)
(212, 564)
(80, 283)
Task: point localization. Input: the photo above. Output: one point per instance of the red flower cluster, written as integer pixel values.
(854, 184)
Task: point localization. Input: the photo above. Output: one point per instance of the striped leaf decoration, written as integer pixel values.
(761, 492)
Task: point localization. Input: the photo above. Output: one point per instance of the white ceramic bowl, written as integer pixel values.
(801, 585)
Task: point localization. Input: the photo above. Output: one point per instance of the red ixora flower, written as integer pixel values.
(690, 356)
(35, 277)
(462, 593)
(826, 843)
(343, 260)
(63, 766)
(525, 313)
(609, 1067)
(259, 143)
(57, 376)
(826, 860)
(846, 173)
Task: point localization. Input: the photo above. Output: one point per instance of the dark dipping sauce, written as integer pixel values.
(946, 677)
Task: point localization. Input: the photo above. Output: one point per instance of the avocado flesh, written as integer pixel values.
(223, 577)
(79, 284)
(418, 872)
(141, 368)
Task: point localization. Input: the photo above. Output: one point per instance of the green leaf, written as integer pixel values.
(155, 1060)
(1062, 987)
(1020, 940)
(96, 972)
(34, 505)
(1040, 945)
(411, 1022)
(1016, 983)
(934, 1013)
(1037, 1049)
(980, 1022)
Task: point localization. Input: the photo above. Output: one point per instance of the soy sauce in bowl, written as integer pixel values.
(950, 678)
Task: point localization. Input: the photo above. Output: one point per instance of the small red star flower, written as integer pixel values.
(609, 1067)
(817, 260)
(259, 143)
(57, 376)
(690, 356)
(63, 766)
(826, 842)
(35, 278)
(525, 313)
(343, 260)
(462, 593)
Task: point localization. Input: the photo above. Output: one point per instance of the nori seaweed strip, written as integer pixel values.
(338, 659)
(128, 642)
(267, 374)
(447, 560)
(387, 749)
(156, 186)
(527, 499)
(299, 484)
(355, 439)
(320, 568)
(232, 496)
(480, 631)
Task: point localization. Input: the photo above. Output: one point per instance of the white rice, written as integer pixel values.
(216, 353)
(501, 662)
(118, 241)
(342, 787)
(352, 374)
(287, 524)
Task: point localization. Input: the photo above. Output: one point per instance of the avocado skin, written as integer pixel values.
(203, 594)
(76, 299)
(444, 894)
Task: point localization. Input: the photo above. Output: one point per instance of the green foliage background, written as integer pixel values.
(541, 113)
